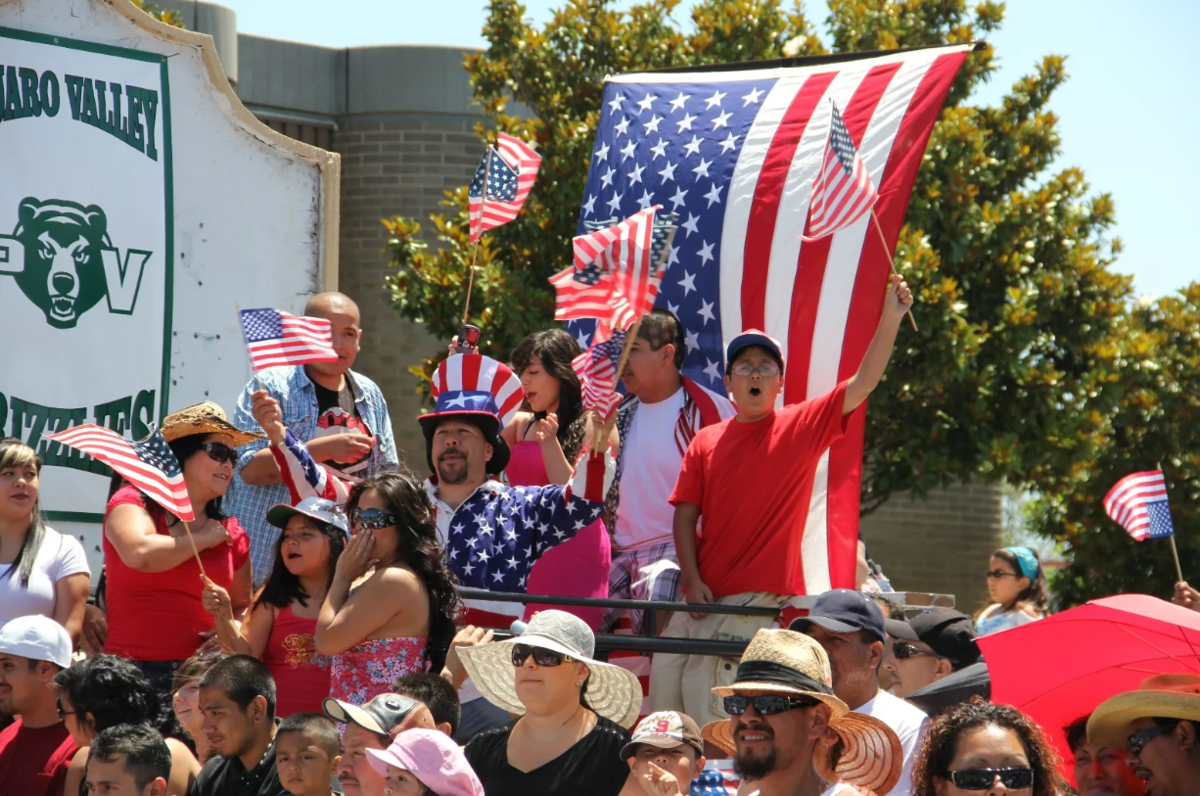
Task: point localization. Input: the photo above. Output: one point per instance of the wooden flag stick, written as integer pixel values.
(487, 170)
(195, 550)
(1171, 538)
(600, 433)
(888, 252)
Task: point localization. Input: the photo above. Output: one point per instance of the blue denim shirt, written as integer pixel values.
(297, 397)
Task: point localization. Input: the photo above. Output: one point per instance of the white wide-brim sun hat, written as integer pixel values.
(612, 692)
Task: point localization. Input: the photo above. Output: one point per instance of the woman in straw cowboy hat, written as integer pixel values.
(573, 712)
(790, 735)
(156, 616)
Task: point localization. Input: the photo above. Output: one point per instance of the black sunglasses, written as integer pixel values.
(541, 656)
(1138, 739)
(62, 714)
(372, 519)
(996, 574)
(220, 452)
(904, 651)
(984, 778)
(766, 704)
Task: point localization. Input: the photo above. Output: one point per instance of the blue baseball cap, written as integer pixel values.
(753, 337)
(844, 611)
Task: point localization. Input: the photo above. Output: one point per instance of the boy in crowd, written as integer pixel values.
(437, 694)
(128, 760)
(36, 749)
(307, 753)
(664, 755)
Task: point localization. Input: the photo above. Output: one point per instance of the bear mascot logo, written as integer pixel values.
(69, 264)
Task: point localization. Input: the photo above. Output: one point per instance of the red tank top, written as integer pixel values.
(157, 616)
(301, 676)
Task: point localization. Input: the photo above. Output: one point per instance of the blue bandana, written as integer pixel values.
(1026, 560)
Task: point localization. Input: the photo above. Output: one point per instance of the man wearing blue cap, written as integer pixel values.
(751, 479)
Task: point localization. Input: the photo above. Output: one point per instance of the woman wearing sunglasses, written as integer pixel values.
(572, 711)
(1016, 584)
(103, 691)
(982, 749)
(280, 628)
(156, 617)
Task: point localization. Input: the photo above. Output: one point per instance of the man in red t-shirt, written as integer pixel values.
(36, 749)
(751, 478)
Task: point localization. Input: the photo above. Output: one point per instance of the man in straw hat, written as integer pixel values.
(1159, 725)
(789, 734)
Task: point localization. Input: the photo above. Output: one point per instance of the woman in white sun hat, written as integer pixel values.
(573, 712)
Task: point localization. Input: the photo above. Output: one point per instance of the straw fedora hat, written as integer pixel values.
(792, 664)
(612, 692)
(1169, 696)
(204, 418)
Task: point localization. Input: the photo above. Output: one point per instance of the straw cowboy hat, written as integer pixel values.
(612, 692)
(204, 418)
(792, 664)
(1168, 696)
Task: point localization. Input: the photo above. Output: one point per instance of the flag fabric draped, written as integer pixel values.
(596, 369)
(1138, 503)
(509, 170)
(735, 154)
(274, 337)
(843, 190)
(149, 465)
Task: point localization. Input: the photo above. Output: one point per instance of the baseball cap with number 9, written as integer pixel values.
(666, 730)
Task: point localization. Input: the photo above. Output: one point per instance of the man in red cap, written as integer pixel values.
(751, 479)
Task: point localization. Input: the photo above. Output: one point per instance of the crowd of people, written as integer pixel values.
(306, 634)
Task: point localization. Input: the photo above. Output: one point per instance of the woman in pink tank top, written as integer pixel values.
(543, 441)
(280, 628)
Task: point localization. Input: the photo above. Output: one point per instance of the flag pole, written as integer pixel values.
(888, 252)
(195, 550)
(1171, 538)
(487, 170)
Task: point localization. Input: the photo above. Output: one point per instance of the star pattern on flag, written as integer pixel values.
(1160, 519)
(261, 325)
(154, 451)
(501, 179)
(687, 144)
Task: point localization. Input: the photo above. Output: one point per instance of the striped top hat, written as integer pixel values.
(479, 390)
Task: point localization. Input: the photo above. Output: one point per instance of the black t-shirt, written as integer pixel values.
(337, 413)
(592, 767)
(227, 777)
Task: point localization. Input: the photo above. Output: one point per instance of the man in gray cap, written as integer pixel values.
(372, 726)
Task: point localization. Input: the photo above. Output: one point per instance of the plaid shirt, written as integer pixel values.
(297, 397)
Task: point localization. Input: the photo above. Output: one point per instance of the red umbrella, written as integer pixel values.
(1062, 667)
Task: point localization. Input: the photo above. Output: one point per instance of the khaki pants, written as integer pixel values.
(685, 682)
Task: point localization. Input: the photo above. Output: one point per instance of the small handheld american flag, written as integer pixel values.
(597, 372)
(509, 171)
(149, 465)
(842, 190)
(1138, 503)
(274, 337)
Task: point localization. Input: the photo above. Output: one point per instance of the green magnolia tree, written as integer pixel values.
(165, 16)
(1157, 421)
(1012, 373)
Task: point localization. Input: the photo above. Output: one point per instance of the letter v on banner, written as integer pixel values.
(12, 255)
(124, 280)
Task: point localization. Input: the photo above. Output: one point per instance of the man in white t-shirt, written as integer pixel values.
(656, 423)
(850, 626)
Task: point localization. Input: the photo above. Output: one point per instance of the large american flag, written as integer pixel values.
(1138, 503)
(511, 169)
(274, 337)
(735, 154)
(149, 465)
(843, 191)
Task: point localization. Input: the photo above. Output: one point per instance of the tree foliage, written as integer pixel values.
(165, 16)
(1157, 421)
(1013, 372)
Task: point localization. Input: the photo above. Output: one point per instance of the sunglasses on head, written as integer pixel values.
(219, 452)
(996, 574)
(766, 704)
(984, 778)
(541, 656)
(1138, 739)
(372, 519)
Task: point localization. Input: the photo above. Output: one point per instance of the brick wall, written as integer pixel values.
(938, 545)
(395, 167)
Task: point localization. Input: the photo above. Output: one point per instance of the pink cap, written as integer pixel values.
(433, 758)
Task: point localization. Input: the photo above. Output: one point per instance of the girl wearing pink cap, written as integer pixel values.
(425, 762)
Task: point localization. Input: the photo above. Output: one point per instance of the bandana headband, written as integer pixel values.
(1026, 560)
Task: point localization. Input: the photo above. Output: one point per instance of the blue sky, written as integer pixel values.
(1129, 113)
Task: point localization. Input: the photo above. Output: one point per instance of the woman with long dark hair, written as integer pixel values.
(283, 621)
(544, 439)
(103, 691)
(155, 614)
(41, 570)
(391, 607)
(1016, 583)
